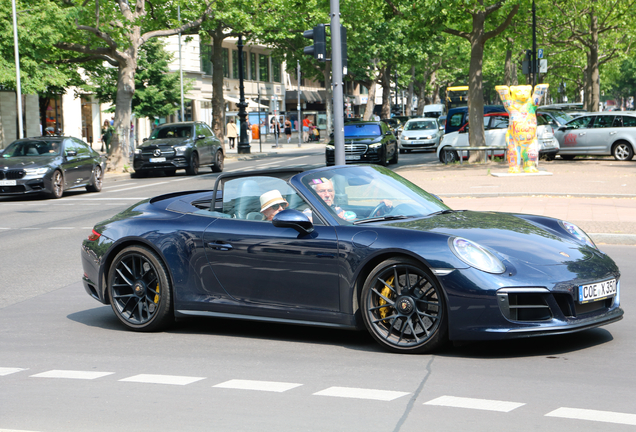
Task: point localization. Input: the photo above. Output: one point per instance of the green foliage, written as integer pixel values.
(157, 90)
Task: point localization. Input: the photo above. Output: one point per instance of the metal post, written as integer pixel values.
(300, 123)
(243, 144)
(260, 132)
(18, 87)
(534, 69)
(336, 82)
(180, 65)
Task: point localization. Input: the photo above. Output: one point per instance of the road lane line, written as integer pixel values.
(8, 371)
(594, 415)
(480, 404)
(70, 374)
(162, 379)
(361, 393)
(61, 228)
(270, 386)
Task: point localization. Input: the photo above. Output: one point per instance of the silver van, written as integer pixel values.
(599, 134)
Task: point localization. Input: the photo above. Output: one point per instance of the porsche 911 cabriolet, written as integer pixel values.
(352, 247)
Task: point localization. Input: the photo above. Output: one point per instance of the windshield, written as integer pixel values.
(172, 132)
(415, 125)
(362, 130)
(369, 193)
(33, 148)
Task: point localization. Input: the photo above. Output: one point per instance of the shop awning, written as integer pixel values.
(306, 96)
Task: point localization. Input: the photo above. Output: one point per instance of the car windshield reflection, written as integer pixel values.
(32, 148)
(368, 194)
(420, 125)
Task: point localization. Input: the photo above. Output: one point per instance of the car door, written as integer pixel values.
(496, 130)
(599, 134)
(573, 136)
(203, 144)
(77, 162)
(256, 262)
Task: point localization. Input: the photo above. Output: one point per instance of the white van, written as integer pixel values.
(434, 110)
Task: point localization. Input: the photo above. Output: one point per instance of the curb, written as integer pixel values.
(614, 239)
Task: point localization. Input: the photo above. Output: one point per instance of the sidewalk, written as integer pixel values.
(599, 195)
(266, 146)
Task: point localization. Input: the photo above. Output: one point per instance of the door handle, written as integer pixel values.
(582, 133)
(220, 246)
(613, 133)
(325, 255)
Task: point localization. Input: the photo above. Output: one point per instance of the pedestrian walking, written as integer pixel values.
(306, 125)
(231, 132)
(288, 127)
(275, 131)
(107, 135)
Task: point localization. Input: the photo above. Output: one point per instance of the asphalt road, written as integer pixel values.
(66, 364)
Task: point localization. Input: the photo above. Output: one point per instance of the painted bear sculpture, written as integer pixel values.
(521, 138)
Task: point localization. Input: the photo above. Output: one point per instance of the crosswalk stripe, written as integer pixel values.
(270, 386)
(480, 404)
(8, 371)
(361, 393)
(162, 379)
(594, 415)
(70, 374)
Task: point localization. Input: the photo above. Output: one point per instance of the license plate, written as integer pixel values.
(597, 291)
(352, 157)
(7, 183)
(154, 160)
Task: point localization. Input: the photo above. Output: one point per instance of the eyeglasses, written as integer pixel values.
(282, 206)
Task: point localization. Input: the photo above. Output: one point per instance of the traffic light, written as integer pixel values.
(319, 48)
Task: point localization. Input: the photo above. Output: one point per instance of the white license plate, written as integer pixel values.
(352, 157)
(597, 291)
(7, 183)
(154, 160)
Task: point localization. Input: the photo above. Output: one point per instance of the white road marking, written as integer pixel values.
(72, 374)
(61, 228)
(14, 430)
(594, 415)
(480, 404)
(270, 386)
(361, 393)
(118, 185)
(8, 371)
(162, 379)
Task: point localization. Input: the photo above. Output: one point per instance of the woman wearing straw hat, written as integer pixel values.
(272, 202)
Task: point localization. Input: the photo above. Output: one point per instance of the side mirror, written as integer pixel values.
(144, 140)
(71, 153)
(200, 137)
(293, 219)
(562, 129)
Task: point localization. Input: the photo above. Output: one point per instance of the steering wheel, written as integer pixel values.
(376, 211)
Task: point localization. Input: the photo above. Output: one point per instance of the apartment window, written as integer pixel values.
(206, 58)
(263, 68)
(253, 66)
(226, 63)
(275, 70)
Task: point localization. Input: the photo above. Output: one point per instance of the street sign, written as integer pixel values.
(540, 53)
(543, 66)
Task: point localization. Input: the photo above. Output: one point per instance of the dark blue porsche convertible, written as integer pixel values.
(352, 247)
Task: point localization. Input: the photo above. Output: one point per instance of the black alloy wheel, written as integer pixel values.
(193, 168)
(448, 156)
(96, 184)
(139, 289)
(622, 151)
(403, 307)
(57, 185)
(218, 162)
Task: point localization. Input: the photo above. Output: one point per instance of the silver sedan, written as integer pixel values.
(420, 134)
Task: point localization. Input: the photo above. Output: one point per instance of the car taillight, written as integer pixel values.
(94, 236)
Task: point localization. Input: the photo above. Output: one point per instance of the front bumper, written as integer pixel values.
(143, 164)
(418, 144)
(371, 155)
(22, 187)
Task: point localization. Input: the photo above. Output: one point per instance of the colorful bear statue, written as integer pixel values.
(523, 147)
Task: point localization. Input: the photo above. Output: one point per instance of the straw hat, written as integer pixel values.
(270, 198)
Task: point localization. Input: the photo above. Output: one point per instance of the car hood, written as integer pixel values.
(361, 140)
(419, 133)
(508, 234)
(163, 142)
(27, 161)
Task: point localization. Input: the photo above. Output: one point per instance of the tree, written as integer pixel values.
(114, 32)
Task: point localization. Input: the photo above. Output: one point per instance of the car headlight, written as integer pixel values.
(476, 256)
(35, 172)
(180, 150)
(330, 146)
(578, 233)
(376, 145)
(137, 151)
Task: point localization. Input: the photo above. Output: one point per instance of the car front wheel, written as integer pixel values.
(139, 289)
(403, 307)
(218, 162)
(57, 185)
(96, 184)
(193, 168)
(448, 156)
(622, 151)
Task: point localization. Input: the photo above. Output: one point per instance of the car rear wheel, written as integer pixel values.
(218, 162)
(96, 184)
(57, 185)
(403, 307)
(448, 156)
(193, 168)
(622, 151)
(139, 289)
(395, 158)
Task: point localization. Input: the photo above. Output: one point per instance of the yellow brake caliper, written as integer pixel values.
(157, 295)
(388, 293)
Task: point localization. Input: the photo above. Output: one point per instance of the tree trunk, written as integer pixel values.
(409, 96)
(368, 110)
(434, 87)
(593, 75)
(385, 79)
(476, 135)
(508, 65)
(119, 154)
(218, 104)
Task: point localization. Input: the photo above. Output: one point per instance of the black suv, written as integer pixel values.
(366, 142)
(173, 146)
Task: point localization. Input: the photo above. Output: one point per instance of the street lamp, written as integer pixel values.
(243, 144)
(18, 87)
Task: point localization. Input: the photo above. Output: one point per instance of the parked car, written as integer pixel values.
(458, 117)
(555, 117)
(399, 262)
(434, 110)
(495, 128)
(173, 146)
(366, 142)
(599, 134)
(420, 134)
(49, 165)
